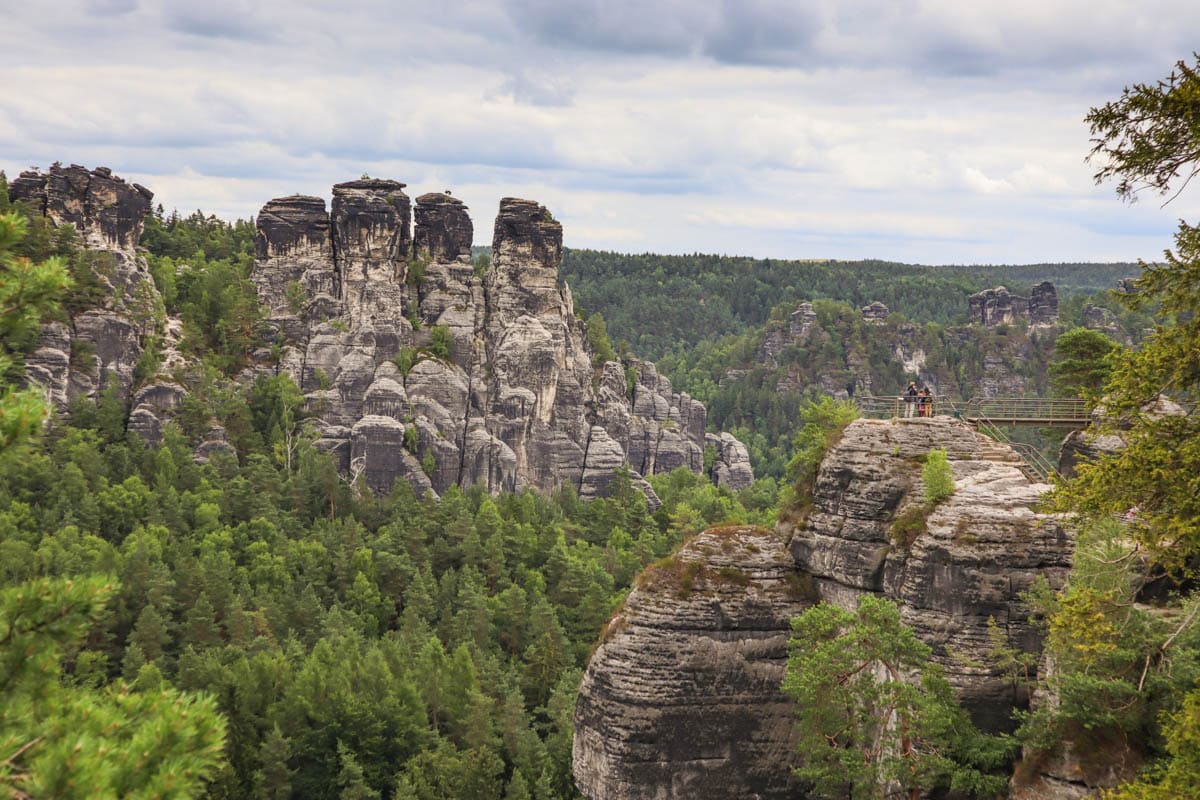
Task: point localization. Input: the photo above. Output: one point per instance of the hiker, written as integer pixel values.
(925, 402)
(910, 399)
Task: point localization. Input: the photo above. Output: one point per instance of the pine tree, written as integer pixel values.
(1147, 139)
(273, 780)
(73, 743)
(874, 716)
(29, 292)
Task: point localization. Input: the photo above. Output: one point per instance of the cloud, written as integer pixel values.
(106, 8)
(220, 19)
(539, 87)
(658, 27)
(913, 129)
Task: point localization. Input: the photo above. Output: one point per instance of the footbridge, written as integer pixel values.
(989, 415)
(1039, 412)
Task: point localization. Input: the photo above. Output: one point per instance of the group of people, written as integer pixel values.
(918, 402)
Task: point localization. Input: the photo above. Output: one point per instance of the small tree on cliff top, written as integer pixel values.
(876, 718)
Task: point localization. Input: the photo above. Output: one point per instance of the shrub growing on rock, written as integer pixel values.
(937, 477)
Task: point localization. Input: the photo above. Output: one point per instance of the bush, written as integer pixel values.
(441, 343)
(908, 526)
(937, 477)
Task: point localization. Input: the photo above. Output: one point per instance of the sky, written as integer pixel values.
(926, 131)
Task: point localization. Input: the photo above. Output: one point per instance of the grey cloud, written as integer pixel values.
(661, 27)
(110, 8)
(764, 32)
(539, 88)
(220, 19)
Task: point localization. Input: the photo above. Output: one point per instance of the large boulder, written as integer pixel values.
(968, 561)
(682, 697)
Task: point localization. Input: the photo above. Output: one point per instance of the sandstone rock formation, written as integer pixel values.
(998, 306)
(842, 360)
(106, 211)
(981, 548)
(1099, 318)
(100, 347)
(414, 366)
(681, 698)
(875, 312)
(468, 377)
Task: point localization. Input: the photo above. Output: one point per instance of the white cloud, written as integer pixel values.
(924, 130)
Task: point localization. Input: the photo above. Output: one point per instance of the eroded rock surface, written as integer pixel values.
(100, 346)
(998, 306)
(495, 382)
(980, 549)
(682, 699)
(414, 365)
(106, 211)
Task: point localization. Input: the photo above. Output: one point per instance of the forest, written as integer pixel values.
(254, 625)
(712, 297)
(354, 645)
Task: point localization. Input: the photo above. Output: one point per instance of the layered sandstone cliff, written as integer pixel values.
(516, 400)
(682, 698)
(96, 349)
(415, 364)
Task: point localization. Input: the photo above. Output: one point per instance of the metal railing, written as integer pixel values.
(1039, 411)
(986, 415)
(1035, 466)
(888, 407)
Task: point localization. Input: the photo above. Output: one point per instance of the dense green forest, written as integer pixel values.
(356, 646)
(401, 645)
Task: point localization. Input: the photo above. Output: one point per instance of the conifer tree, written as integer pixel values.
(1148, 139)
(71, 743)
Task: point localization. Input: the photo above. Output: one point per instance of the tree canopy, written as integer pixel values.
(1150, 137)
(875, 717)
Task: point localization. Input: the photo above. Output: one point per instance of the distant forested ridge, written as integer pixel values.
(664, 303)
(722, 329)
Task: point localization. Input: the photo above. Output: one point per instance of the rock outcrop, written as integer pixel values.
(468, 376)
(98, 348)
(681, 698)
(998, 306)
(875, 313)
(979, 550)
(106, 212)
(842, 358)
(414, 366)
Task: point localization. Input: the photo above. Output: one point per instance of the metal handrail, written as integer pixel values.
(1028, 410)
(987, 414)
(1034, 465)
(885, 407)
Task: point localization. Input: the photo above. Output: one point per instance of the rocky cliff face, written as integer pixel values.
(99, 347)
(981, 549)
(998, 306)
(684, 687)
(842, 358)
(414, 366)
(682, 699)
(495, 382)
(511, 400)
